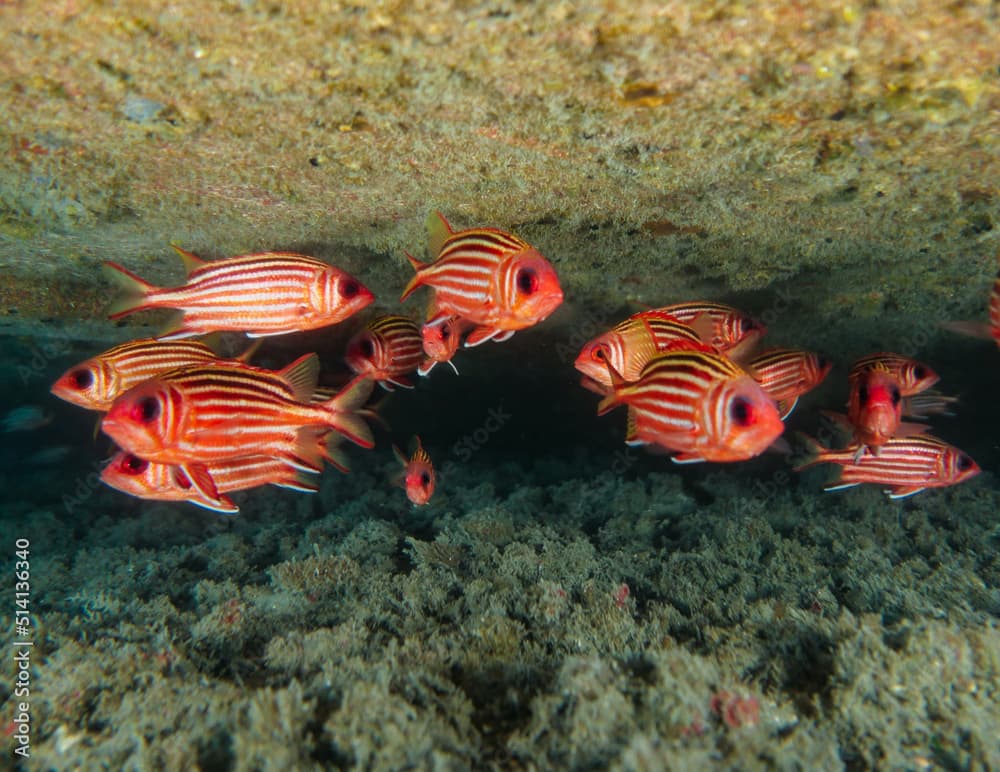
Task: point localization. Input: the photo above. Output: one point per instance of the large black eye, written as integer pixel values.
(964, 463)
(863, 394)
(445, 331)
(741, 411)
(82, 379)
(822, 363)
(133, 465)
(425, 479)
(746, 325)
(146, 409)
(598, 354)
(349, 288)
(527, 281)
(366, 347)
(896, 396)
(919, 372)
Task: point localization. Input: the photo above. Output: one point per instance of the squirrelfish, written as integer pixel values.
(95, 383)
(905, 465)
(440, 342)
(388, 348)
(418, 474)
(786, 374)
(269, 293)
(699, 405)
(874, 408)
(630, 344)
(213, 413)
(723, 327)
(488, 277)
(912, 376)
(987, 330)
(169, 482)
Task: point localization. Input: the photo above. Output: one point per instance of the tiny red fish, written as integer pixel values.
(388, 348)
(269, 293)
(905, 465)
(630, 344)
(488, 277)
(418, 475)
(699, 405)
(440, 342)
(214, 413)
(169, 482)
(97, 382)
(786, 374)
(912, 376)
(725, 328)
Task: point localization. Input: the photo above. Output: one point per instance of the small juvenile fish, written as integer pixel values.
(169, 482)
(388, 349)
(269, 293)
(418, 475)
(786, 374)
(95, 383)
(440, 342)
(26, 418)
(905, 465)
(630, 344)
(699, 405)
(912, 376)
(725, 328)
(214, 413)
(490, 278)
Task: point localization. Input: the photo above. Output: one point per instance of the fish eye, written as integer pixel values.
(896, 396)
(863, 394)
(82, 378)
(425, 479)
(741, 411)
(445, 331)
(822, 363)
(597, 354)
(133, 465)
(366, 347)
(919, 372)
(964, 463)
(146, 409)
(746, 325)
(527, 281)
(349, 288)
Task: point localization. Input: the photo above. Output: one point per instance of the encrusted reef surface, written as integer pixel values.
(564, 602)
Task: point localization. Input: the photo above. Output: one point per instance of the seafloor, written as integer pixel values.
(564, 602)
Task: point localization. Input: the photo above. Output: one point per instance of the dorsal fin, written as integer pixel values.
(302, 375)
(191, 261)
(438, 232)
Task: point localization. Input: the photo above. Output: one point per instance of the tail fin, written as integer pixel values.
(813, 452)
(417, 279)
(345, 409)
(135, 291)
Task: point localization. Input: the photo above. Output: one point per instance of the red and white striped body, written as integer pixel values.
(214, 413)
(995, 311)
(904, 465)
(728, 327)
(169, 482)
(488, 277)
(630, 344)
(786, 374)
(699, 405)
(97, 382)
(912, 376)
(270, 293)
(388, 348)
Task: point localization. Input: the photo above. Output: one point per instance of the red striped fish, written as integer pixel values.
(169, 482)
(214, 413)
(440, 342)
(418, 475)
(980, 329)
(723, 327)
(786, 374)
(630, 344)
(97, 382)
(269, 293)
(388, 348)
(488, 277)
(699, 405)
(912, 376)
(905, 465)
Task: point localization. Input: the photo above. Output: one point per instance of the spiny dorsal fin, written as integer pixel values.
(191, 261)
(438, 232)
